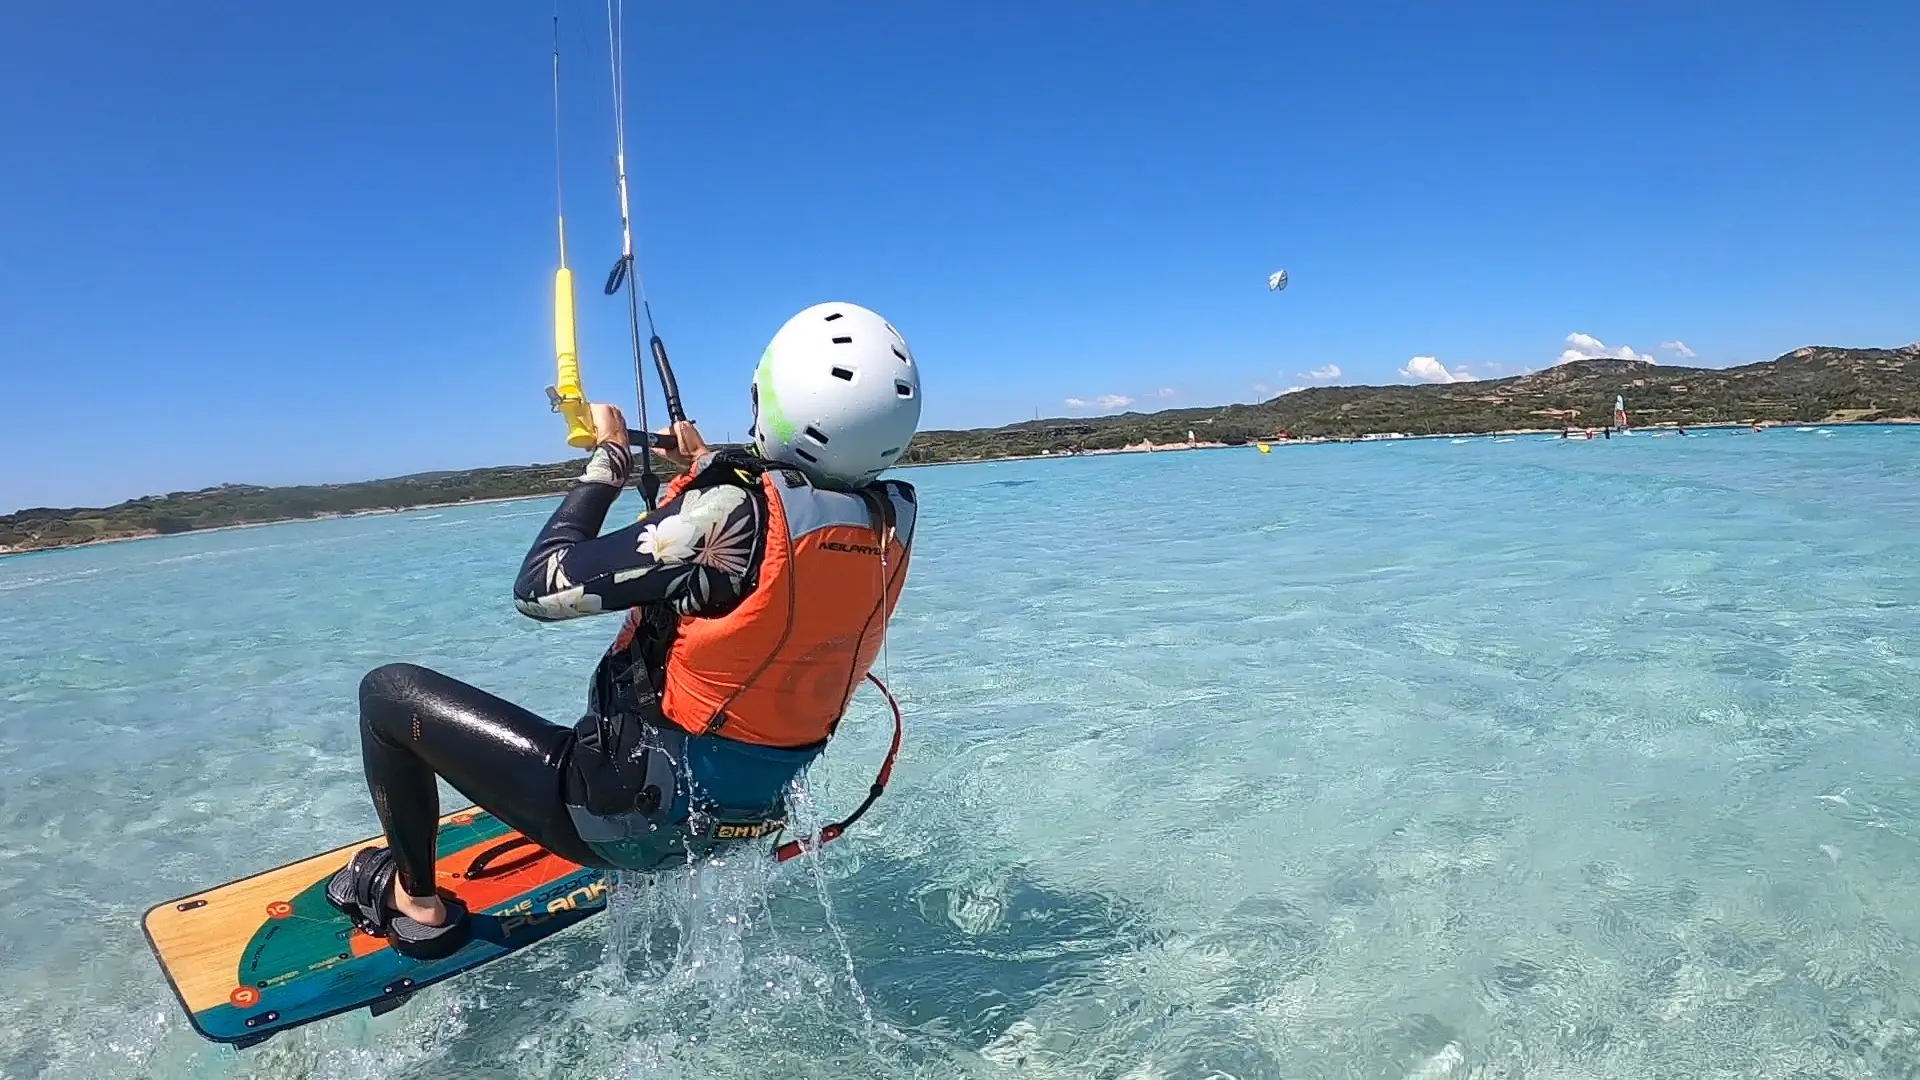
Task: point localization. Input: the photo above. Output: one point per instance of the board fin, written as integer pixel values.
(387, 1005)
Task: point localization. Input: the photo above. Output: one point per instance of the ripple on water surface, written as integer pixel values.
(1483, 758)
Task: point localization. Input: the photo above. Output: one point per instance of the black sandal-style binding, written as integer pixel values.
(360, 890)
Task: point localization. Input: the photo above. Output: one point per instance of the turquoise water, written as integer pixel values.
(1489, 759)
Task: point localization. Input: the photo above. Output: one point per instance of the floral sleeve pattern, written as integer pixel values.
(696, 553)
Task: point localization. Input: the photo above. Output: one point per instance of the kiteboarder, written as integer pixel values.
(756, 597)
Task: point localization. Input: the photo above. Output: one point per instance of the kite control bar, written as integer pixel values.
(668, 442)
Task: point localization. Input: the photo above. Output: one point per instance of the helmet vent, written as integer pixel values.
(901, 355)
(842, 373)
(902, 389)
(843, 340)
(801, 452)
(889, 454)
(816, 435)
(836, 315)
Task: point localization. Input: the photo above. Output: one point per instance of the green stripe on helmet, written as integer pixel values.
(773, 419)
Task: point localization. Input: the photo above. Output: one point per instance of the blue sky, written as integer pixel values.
(283, 243)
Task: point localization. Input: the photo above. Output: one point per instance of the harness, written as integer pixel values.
(635, 776)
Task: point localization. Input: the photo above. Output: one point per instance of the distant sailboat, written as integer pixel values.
(1620, 413)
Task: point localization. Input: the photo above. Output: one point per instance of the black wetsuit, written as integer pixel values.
(696, 554)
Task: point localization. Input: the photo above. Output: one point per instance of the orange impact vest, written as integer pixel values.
(779, 669)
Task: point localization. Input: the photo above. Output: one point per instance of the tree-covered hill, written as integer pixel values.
(1811, 385)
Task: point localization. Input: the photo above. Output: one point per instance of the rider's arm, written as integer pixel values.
(696, 552)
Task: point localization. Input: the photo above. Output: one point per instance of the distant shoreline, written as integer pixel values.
(1163, 448)
(6, 552)
(1144, 447)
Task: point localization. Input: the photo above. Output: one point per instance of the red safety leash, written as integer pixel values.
(794, 847)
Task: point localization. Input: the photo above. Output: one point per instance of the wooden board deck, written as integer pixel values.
(267, 953)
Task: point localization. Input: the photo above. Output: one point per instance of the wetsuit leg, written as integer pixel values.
(416, 723)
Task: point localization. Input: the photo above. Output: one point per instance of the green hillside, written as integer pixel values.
(1810, 385)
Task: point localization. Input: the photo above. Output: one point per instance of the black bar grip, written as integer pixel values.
(636, 437)
(668, 385)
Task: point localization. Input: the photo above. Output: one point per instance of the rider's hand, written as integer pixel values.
(608, 425)
(688, 447)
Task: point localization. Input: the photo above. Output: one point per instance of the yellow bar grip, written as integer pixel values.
(568, 398)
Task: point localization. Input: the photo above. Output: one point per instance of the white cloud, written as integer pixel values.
(1291, 390)
(1588, 347)
(1121, 401)
(1678, 348)
(1104, 401)
(1262, 389)
(1323, 374)
(1429, 369)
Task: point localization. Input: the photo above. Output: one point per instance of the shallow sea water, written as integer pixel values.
(1491, 759)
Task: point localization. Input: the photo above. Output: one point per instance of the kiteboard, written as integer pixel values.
(267, 953)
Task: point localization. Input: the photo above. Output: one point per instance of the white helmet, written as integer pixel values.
(837, 395)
